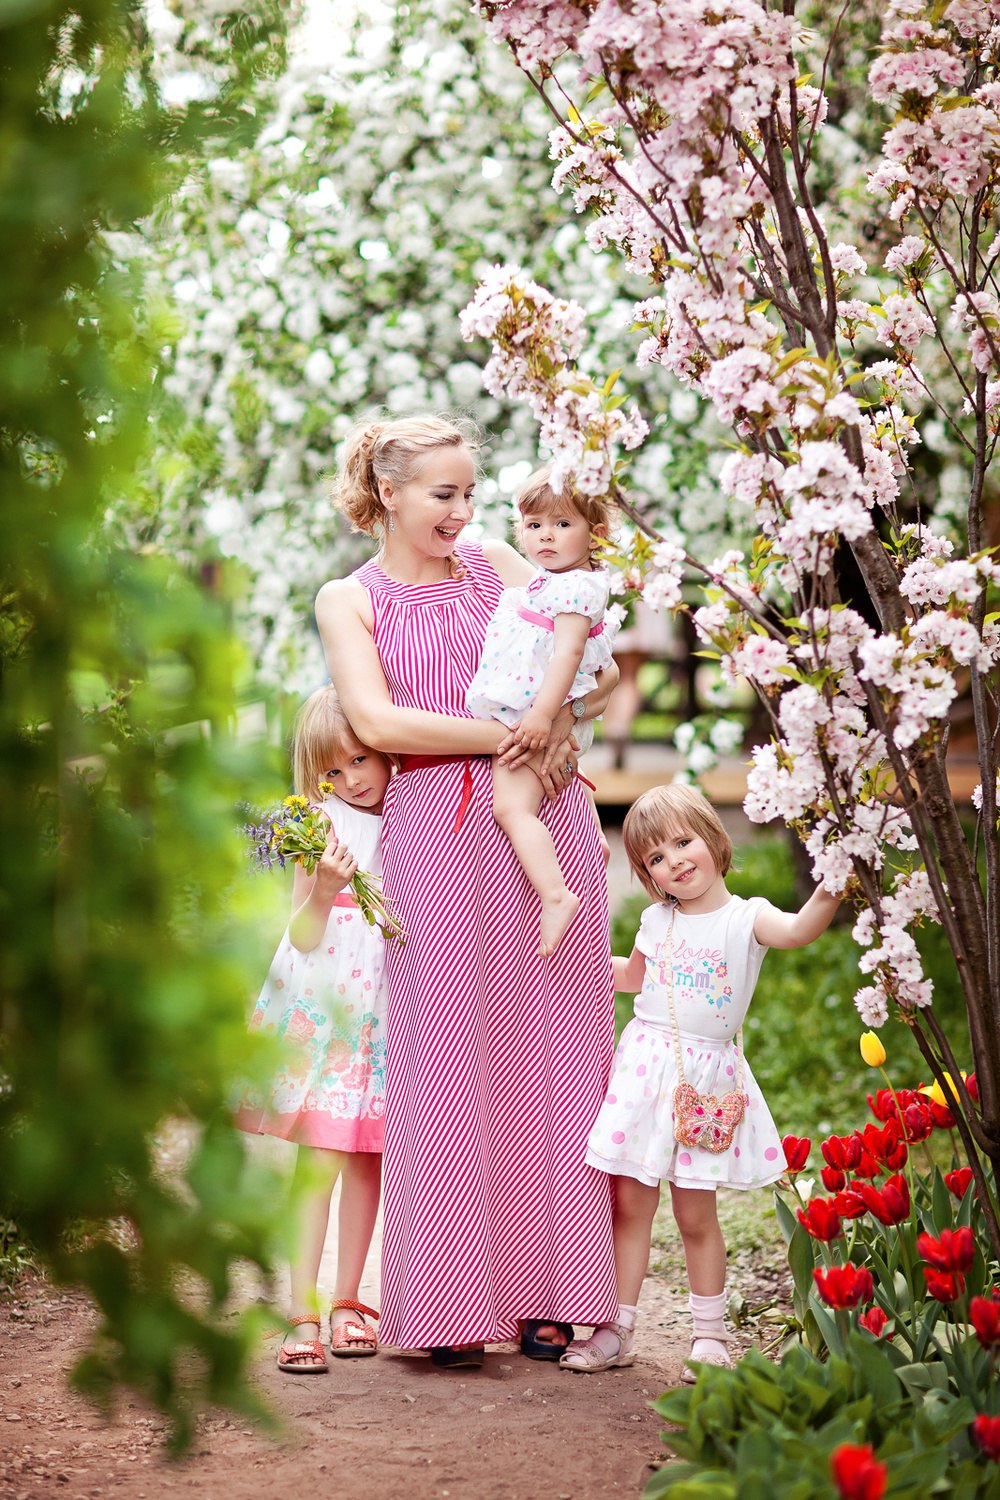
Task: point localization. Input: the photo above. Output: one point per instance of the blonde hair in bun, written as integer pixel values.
(392, 449)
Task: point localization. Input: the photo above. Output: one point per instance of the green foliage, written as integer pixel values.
(16, 1256)
(766, 1431)
(802, 1030)
(123, 998)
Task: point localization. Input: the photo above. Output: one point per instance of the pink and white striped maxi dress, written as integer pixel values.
(497, 1059)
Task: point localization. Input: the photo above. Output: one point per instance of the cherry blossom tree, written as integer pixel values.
(693, 136)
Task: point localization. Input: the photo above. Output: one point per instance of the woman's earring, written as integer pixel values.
(391, 523)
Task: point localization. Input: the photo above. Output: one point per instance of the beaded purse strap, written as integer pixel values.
(673, 1017)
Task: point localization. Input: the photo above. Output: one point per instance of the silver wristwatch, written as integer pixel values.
(578, 708)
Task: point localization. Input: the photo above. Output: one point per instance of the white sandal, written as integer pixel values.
(587, 1356)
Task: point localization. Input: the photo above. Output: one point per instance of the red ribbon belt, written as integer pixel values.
(344, 898)
(421, 762)
(534, 618)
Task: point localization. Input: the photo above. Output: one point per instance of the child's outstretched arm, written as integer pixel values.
(313, 895)
(629, 972)
(534, 730)
(796, 929)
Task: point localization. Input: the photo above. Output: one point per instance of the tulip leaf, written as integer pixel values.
(787, 1222)
(801, 1261)
(828, 1326)
(941, 1203)
(926, 1375)
(879, 1378)
(942, 1417)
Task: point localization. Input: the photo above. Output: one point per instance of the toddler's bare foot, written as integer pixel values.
(556, 917)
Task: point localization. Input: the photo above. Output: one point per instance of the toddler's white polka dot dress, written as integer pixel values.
(519, 639)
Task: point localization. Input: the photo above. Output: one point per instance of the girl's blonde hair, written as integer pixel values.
(321, 728)
(667, 812)
(538, 495)
(391, 449)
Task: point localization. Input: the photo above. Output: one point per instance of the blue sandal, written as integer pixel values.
(535, 1348)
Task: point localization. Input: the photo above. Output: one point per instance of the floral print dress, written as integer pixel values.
(327, 1009)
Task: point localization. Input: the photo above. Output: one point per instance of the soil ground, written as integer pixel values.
(375, 1429)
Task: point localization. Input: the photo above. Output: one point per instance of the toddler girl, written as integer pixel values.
(543, 648)
(682, 1105)
(325, 996)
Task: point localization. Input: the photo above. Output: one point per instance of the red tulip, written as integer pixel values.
(833, 1179)
(842, 1151)
(984, 1315)
(867, 1165)
(821, 1220)
(986, 1435)
(957, 1182)
(857, 1473)
(874, 1320)
(796, 1150)
(940, 1113)
(891, 1204)
(954, 1250)
(972, 1084)
(918, 1120)
(944, 1286)
(849, 1203)
(886, 1145)
(844, 1286)
(883, 1104)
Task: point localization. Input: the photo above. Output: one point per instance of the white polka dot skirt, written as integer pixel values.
(633, 1135)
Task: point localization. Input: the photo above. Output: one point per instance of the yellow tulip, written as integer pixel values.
(936, 1092)
(872, 1050)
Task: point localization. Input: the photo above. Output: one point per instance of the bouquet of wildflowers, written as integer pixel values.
(298, 830)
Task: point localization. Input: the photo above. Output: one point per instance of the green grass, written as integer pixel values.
(802, 1030)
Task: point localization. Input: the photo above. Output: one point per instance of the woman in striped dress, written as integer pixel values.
(497, 1058)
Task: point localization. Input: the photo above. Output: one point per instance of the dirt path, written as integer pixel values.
(395, 1425)
(370, 1430)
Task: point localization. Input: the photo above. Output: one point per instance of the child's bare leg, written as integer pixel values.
(516, 798)
(697, 1220)
(611, 1344)
(635, 1208)
(315, 1174)
(360, 1185)
(705, 1257)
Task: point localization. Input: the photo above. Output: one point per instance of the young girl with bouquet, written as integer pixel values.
(325, 998)
(544, 646)
(682, 1104)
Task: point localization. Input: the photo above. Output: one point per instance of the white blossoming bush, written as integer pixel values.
(691, 138)
(320, 274)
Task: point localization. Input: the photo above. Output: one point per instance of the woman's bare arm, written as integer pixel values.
(343, 614)
(515, 571)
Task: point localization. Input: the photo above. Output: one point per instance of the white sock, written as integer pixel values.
(708, 1317)
(627, 1314)
(606, 1338)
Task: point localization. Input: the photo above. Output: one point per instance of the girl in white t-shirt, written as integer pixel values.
(682, 1105)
